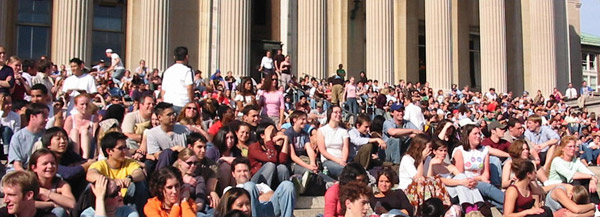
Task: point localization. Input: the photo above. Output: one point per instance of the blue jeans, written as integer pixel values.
(137, 193)
(334, 168)
(393, 151)
(59, 212)
(7, 134)
(352, 104)
(268, 171)
(281, 203)
(589, 154)
(492, 192)
(495, 171)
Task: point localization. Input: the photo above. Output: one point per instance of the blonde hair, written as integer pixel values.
(558, 151)
(580, 195)
(183, 155)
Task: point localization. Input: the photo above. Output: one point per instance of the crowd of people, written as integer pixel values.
(111, 142)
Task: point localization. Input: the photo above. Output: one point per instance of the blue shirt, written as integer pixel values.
(545, 134)
(389, 124)
(21, 145)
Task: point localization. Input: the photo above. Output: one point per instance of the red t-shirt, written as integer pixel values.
(501, 145)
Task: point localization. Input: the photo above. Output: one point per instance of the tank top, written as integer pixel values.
(523, 203)
(473, 160)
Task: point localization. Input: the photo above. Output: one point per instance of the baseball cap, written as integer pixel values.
(396, 107)
(466, 121)
(320, 104)
(495, 124)
(109, 50)
(101, 60)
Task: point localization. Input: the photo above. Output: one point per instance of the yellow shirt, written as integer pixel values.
(127, 168)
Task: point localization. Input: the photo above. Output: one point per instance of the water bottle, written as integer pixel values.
(325, 171)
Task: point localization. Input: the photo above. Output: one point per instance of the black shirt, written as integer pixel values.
(38, 213)
(393, 200)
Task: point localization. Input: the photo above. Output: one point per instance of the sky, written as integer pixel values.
(590, 15)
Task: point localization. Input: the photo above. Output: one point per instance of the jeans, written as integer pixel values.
(59, 212)
(281, 203)
(589, 154)
(393, 151)
(268, 171)
(334, 168)
(495, 171)
(137, 193)
(7, 134)
(492, 192)
(352, 104)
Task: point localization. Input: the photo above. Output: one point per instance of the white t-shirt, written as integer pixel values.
(12, 120)
(473, 160)
(175, 81)
(113, 58)
(266, 63)
(407, 171)
(334, 140)
(84, 82)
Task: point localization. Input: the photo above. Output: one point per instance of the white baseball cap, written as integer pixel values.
(109, 50)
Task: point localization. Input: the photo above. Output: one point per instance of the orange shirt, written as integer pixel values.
(154, 208)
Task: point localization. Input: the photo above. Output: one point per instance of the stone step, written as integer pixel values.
(308, 202)
(307, 212)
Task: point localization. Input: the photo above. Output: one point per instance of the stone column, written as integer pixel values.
(3, 22)
(234, 52)
(155, 35)
(406, 40)
(461, 64)
(312, 58)
(289, 29)
(380, 41)
(493, 45)
(337, 36)
(204, 36)
(542, 47)
(72, 32)
(438, 40)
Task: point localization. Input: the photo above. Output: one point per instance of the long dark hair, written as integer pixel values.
(228, 199)
(267, 84)
(464, 136)
(242, 87)
(220, 139)
(159, 180)
(417, 144)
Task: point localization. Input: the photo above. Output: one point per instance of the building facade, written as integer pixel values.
(511, 45)
(590, 55)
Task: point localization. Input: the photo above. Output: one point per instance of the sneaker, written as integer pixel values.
(297, 181)
(305, 178)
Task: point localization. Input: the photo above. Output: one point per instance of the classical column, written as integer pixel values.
(204, 36)
(72, 32)
(337, 35)
(312, 58)
(155, 36)
(288, 30)
(542, 47)
(438, 42)
(380, 40)
(493, 45)
(3, 21)
(234, 52)
(406, 40)
(461, 63)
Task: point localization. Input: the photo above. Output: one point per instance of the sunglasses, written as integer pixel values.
(122, 148)
(113, 194)
(192, 108)
(192, 163)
